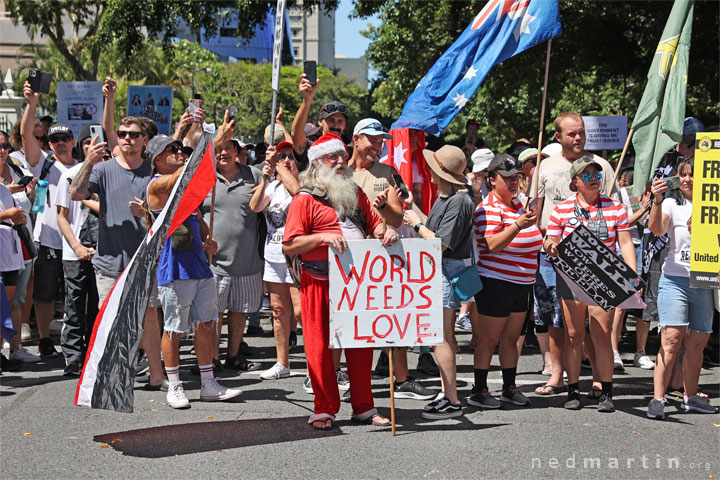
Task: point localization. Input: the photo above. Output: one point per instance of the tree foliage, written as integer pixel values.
(245, 85)
(128, 25)
(598, 66)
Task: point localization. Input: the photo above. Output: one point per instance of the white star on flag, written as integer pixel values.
(523, 25)
(460, 100)
(470, 73)
(399, 155)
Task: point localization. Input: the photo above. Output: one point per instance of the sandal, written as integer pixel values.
(371, 417)
(322, 421)
(553, 389)
(239, 362)
(594, 392)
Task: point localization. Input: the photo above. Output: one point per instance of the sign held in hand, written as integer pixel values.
(386, 296)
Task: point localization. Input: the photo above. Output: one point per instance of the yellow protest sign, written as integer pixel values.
(705, 226)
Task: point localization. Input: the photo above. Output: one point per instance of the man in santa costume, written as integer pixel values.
(329, 210)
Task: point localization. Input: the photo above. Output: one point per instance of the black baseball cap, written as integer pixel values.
(504, 164)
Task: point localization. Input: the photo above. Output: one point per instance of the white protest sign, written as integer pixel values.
(278, 44)
(605, 133)
(386, 296)
(79, 103)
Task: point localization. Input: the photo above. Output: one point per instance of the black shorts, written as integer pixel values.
(48, 284)
(499, 298)
(10, 279)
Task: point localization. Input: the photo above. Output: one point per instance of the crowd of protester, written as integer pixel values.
(74, 210)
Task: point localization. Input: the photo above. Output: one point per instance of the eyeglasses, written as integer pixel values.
(332, 107)
(61, 138)
(289, 156)
(41, 138)
(334, 157)
(125, 133)
(589, 176)
(4, 146)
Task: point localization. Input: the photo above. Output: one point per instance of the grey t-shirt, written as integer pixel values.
(119, 233)
(452, 221)
(236, 226)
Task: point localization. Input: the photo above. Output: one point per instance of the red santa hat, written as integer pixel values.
(325, 145)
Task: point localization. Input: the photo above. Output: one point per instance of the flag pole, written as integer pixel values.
(392, 388)
(212, 219)
(536, 173)
(620, 162)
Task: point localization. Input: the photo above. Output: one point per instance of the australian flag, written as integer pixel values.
(503, 28)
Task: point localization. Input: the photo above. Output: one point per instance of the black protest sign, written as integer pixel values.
(595, 269)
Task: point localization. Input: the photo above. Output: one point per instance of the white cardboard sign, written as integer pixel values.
(386, 296)
(605, 133)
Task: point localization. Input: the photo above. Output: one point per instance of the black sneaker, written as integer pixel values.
(573, 400)
(605, 403)
(345, 397)
(46, 348)
(9, 365)
(514, 396)
(483, 399)
(413, 390)
(426, 364)
(382, 367)
(72, 370)
(443, 409)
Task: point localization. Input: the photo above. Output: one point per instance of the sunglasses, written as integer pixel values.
(4, 146)
(331, 108)
(174, 149)
(42, 138)
(61, 138)
(289, 156)
(374, 126)
(508, 165)
(590, 176)
(125, 133)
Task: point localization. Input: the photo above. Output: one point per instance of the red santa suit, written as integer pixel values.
(309, 215)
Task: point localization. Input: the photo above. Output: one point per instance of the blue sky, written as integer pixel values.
(348, 40)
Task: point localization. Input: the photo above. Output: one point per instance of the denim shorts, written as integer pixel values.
(188, 302)
(679, 305)
(450, 268)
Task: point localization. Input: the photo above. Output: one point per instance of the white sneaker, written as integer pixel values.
(22, 355)
(212, 391)
(276, 371)
(25, 333)
(643, 361)
(176, 396)
(618, 362)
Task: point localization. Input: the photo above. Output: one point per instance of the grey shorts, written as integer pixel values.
(242, 294)
(22, 284)
(105, 284)
(186, 303)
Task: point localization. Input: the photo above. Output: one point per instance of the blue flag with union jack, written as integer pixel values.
(503, 28)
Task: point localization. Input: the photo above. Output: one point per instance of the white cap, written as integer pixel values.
(551, 149)
(481, 158)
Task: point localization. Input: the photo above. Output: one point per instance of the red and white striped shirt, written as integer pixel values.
(566, 217)
(516, 263)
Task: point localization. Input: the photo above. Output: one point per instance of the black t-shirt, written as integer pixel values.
(452, 220)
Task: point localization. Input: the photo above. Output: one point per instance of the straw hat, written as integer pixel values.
(448, 163)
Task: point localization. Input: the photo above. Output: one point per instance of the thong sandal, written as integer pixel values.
(553, 389)
(371, 417)
(319, 421)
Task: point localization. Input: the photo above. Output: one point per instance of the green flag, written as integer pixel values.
(658, 122)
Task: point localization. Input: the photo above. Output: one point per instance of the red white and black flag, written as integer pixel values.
(108, 377)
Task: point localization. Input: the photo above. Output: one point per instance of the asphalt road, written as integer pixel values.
(264, 433)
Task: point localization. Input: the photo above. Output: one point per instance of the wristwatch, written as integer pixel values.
(417, 227)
